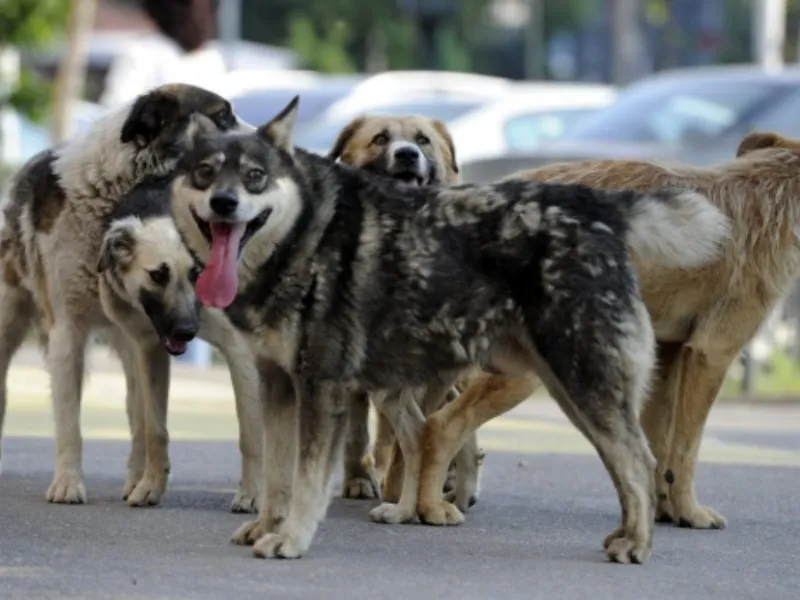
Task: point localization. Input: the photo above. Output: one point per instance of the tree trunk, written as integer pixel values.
(71, 76)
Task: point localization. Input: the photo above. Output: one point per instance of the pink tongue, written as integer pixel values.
(218, 283)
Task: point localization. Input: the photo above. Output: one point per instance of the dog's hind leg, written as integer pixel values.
(359, 476)
(134, 408)
(66, 360)
(384, 453)
(153, 392)
(602, 391)
(216, 330)
(450, 428)
(657, 420)
(16, 315)
(279, 416)
(407, 420)
(323, 426)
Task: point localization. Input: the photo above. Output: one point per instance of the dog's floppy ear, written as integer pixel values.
(442, 130)
(278, 132)
(117, 248)
(757, 140)
(148, 116)
(345, 136)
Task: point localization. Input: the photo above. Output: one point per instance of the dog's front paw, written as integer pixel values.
(244, 501)
(626, 549)
(148, 491)
(688, 512)
(440, 513)
(67, 488)
(361, 488)
(283, 544)
(131, 480)
(392, 514)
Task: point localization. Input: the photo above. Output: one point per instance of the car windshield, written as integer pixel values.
(671, 112)
(527, 132)
(257, 108)
(320, 135)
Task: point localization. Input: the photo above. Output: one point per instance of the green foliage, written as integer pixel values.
(323, 50)
(31, 24)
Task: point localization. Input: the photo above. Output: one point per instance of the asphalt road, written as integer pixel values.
(536, 531)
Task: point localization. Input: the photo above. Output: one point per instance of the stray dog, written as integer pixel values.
(55, 220)
(418, 151)
(345, 281)
(703, 317)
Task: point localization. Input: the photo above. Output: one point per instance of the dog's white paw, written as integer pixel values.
(131, 480)
(67, 488)
(688, 512)
(441, 513)
(624, 549)
(148, 491)
(244, 501)
(361, 488)
(283, 544)
(392, 513)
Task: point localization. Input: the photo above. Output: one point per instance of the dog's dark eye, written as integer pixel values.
(160, 276)
(194, 274)
(204, 172)
(255, 175)
(381, 139)
(422, 139)
(223, 118)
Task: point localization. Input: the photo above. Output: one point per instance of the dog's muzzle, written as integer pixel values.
(409, 164)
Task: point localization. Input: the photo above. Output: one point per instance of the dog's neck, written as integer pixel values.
(96, 163)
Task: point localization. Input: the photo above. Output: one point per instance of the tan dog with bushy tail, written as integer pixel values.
(703, 317)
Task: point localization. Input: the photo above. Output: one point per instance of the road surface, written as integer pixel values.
(536, 531)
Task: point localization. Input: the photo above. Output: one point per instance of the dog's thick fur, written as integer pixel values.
(703, 317)
(54, 223)
(419, 151)
(348, 281)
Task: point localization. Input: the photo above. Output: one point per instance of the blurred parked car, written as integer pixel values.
(523, 120)
(693, 115)
(439, 95)
(260, 104)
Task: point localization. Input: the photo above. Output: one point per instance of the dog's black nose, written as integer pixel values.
(183, 332)
(224, 204)
(406, 155)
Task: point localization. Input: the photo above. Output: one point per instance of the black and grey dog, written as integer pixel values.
(343, 280)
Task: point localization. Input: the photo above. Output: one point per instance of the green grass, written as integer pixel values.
(780, 379)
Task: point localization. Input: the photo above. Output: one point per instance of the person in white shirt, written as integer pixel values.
(181, 52)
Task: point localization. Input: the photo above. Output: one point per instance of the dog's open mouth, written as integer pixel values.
(218, 284)
(411, 178)
(175, 347)
(251, 227)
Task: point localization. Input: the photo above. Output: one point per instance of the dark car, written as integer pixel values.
(696, 116)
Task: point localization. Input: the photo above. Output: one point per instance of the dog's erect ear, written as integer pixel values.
(344, 137)
(278, 132)
(756, 141)
(148, 116)
(441, 129)
(117, 248)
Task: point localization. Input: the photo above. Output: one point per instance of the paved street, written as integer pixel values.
(535, 533)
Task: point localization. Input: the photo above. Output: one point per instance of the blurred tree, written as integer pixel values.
(29, 24)
(338, 35)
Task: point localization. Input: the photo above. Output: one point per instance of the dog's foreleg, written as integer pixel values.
(403, 412)
(215, 329)
(359, 476)
(16, 316)
(66, 359)
(153, 370)
(135, 409)
(323, 425)
(448, 429)
(279, 418)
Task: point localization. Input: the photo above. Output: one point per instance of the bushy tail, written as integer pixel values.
(677, 228)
